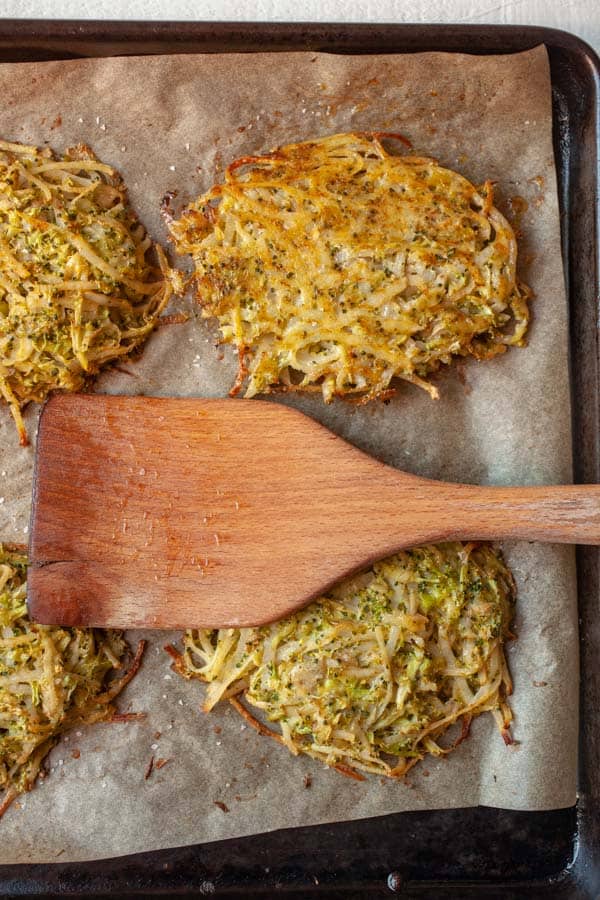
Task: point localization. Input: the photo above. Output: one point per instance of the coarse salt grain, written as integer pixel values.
(154, 746)
(172, 168)
(103, 127)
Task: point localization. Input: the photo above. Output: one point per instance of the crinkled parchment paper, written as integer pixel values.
(173, 122)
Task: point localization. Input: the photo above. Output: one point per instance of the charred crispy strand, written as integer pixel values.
(349, 772)
(81, 283)
(117, 686)
(331, 264)
(174, 319)
(52, 679)
(253, 722)
(128, 717)
(178, 662)
(371, 677)
(149, 769)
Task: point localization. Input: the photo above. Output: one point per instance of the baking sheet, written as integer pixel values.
(174, 122)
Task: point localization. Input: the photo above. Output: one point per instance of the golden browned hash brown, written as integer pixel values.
(371, 677)
(52, 679)
(332, 265)
(81, 283)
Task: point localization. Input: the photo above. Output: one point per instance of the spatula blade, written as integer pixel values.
(188, 513)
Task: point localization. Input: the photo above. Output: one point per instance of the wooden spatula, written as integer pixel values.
(180, 513)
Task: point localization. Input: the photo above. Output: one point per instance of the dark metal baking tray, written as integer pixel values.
(461, 853)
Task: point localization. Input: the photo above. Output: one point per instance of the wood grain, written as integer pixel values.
(180, 513)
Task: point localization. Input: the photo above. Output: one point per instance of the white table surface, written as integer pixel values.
(579, 16)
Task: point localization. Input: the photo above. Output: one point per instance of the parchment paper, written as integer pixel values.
(174, 122)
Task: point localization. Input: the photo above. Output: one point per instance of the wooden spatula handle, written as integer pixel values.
(567, 514)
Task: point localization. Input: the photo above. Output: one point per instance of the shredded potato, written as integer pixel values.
(52, 679)
(371, 677)
(77, 288)
(336, 267)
